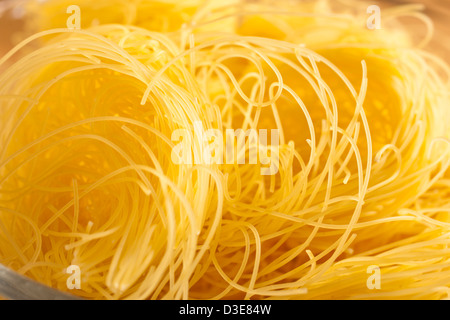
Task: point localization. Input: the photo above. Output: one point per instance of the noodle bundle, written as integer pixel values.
(357, 177)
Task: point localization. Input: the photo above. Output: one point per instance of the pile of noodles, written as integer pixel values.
(361, 182)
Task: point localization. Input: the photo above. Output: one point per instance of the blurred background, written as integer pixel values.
(437, 10)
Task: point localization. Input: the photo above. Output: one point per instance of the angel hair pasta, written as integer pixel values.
(352, 175)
